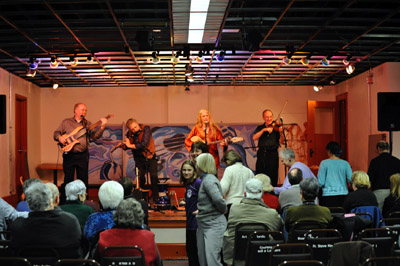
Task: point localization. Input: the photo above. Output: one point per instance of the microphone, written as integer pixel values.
(83, 117)
(205, 130)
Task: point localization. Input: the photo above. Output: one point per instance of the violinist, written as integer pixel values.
(268, 135)
(140, 141)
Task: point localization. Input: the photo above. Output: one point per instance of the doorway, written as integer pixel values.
(21, 142)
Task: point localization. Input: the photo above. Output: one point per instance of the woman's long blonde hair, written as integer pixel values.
(212, 125)
(395, 185)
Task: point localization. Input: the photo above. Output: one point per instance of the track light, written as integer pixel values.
(89, 59)
(346, 61)
(286, 60)
(325, 61)
(190, 78)
(73, 61)
(189, 70)
(332, 82)
(221, 56)
(155, 58)
(175, 59)
(318, 88)
(199, 57)
(305, 61)
(53, 62)
(30, 72)
(55, 86)
(33, 64)
(350, 69)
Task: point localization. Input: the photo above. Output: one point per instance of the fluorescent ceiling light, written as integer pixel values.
(197, 20)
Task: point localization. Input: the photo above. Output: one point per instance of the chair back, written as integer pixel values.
(381, 239)
(289, 252)
(391, 223)
(382, 261)
(259, 246)
(302, 263)
(39, 255)
(350, 253)
(394, 214)
(321, 241)
(14, 261)
(338, 210)
(298, 231)
(374, 211)
(395, 249)
(5, 239)
(110, 256)
(77, 262)
(242, 232)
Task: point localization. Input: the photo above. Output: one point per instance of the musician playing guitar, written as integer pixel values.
(206, 130)
(74, 135)
(140, 141)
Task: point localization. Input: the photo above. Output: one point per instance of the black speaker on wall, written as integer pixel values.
(389, 111)
(3, 115)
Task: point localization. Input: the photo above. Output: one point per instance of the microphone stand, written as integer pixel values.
(285, 140)
(205, 131)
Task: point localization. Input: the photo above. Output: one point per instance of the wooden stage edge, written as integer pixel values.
(167, 219)
(172, 251)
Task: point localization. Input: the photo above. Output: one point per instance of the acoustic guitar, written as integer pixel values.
(227, 140)
(72, 138)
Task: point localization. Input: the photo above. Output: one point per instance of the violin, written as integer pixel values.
(276, 124)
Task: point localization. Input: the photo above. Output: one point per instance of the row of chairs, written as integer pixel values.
(50, 256)
(255, 244)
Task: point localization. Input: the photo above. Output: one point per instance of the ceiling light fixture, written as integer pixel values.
(90, 59)
(221, 56)
(306, 60)
(286, 60)
(190, 78)
(55, 86)
(318, 88)
(155, 58)
(325, 61)
(175, 59)
(30, 72)
(346, 61)
(53, 62)
(350, 69)
(199, 57)
(197, 20)
(33, 64)
(73, 61)
(189, 70)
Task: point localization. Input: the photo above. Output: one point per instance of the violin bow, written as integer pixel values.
(283, 108)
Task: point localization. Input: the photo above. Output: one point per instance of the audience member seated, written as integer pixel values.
(127, 184)
(392, 202)
(8, 214)
(269, 199)
(234, 178)
(55, 195)
(250, 209)
(75, 193)
(110, 195)
(308, 211)
(287, 157)
(128, 232)
(22, 206)
(45, 226)
(361, 196)
(291, 196)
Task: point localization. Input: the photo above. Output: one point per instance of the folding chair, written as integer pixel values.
(395, 249)
(77, 262)
(302, 263)
(259, 247)
(5, 239)
(298, 231)
(350, 253)
(374, 211)
(382, 261)
(321, 241)
(382, 240)
(338, 210)
(242, 232)
(110, 256)
(391, 223)
(394, 215)
(289, 252)
(39, 255)
(14, 261)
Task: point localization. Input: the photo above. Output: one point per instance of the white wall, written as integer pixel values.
(15, 85)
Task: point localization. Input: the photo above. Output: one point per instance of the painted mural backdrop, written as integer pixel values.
(171, 151)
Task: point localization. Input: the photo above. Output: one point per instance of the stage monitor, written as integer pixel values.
(389, 111)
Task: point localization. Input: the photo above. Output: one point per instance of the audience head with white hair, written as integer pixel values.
(110, 194)
(75, 190)
(39, 197)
